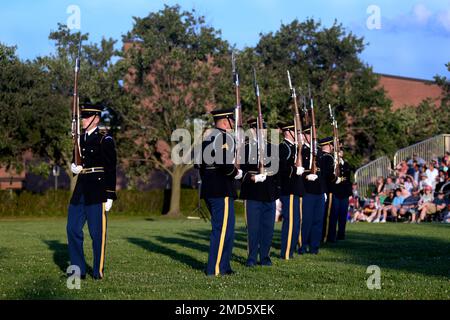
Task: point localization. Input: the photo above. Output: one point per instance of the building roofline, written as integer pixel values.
(406, 78)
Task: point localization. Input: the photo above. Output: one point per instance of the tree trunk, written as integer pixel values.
(175, 195)
(73, 179)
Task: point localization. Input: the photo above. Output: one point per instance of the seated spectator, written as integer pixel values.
(368, 213)
(410, 184)
(397, 203)
(423, 169)
(446, 161)
(427, 196)
(430, 208)
(423, 182)
(443, 165)
(389, 185)
(400, 181)
(412, 168)
(404, 192)
(394, 207)
(444, 186)
(415, 173)
(410, 205)
(441, 178)
(402, 169)
(416, 159)
(386, 207)
(379, 187)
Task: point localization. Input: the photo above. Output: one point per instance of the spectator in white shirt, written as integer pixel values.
(432, 173)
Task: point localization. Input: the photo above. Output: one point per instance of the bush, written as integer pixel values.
(129, 203)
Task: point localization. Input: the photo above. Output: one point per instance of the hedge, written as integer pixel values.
(129, 203)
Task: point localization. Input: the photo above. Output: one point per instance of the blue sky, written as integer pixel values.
(414, 39)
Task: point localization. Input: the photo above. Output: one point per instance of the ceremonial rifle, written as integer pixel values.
(297, 124)
(336, 144)
(313, 166)
(238, 114)
(76, 111)
(259, 128)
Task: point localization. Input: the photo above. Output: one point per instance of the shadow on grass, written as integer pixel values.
(240, 236)
(61, 255)
(418, 254)
(41, 289)
(173, 254)
(185, 242)
(4, 252)
(403, 252)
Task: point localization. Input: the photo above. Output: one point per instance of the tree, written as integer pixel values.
(25, 99)
(174, 73)
(444, 112)
(444, 83)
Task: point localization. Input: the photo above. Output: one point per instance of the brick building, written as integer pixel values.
(405, 91)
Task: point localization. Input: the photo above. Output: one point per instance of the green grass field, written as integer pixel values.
(164, 259)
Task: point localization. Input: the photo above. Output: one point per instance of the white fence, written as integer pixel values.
(428, 149)
(366, 176)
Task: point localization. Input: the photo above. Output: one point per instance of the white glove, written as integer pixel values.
(239, 175)
(312, 177)
(75, 169)
(300, 171)
(108, 204)
(260, 178)
(339, 180)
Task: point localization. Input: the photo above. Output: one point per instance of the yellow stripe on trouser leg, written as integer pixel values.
(291, 218)
(330, 201)
(246, 226)
(102, 255)
(222, 235)
(301, 220)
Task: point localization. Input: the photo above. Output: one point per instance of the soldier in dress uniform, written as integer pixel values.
(313, 200)
(94, 192)
(259, 192)
(330, 179)
(291, 191)
(218, 174)
(342, 190)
